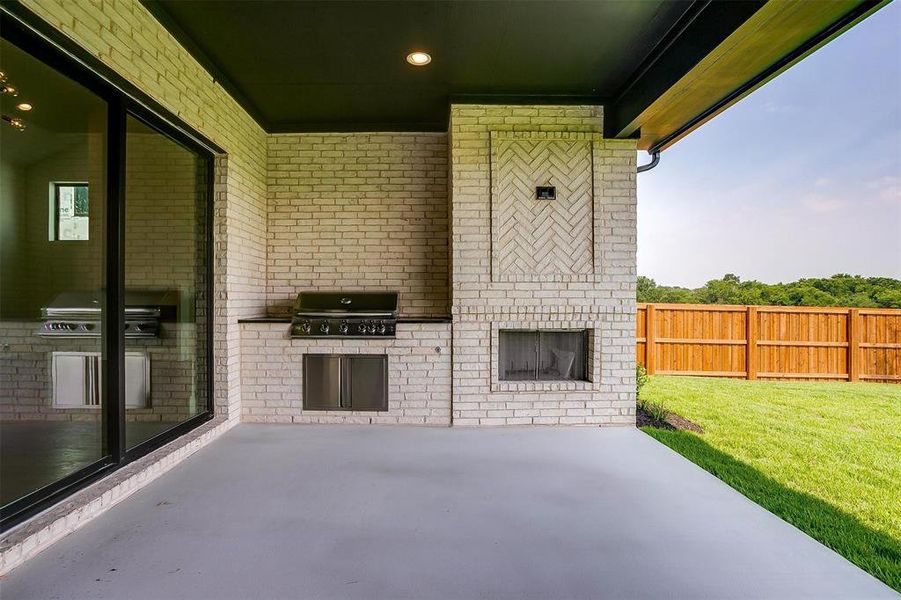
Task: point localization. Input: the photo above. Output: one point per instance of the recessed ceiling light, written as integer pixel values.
(418, 59)
(24, 106)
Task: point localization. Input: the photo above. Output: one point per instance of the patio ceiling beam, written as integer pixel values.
(702, 28)
(661, 108)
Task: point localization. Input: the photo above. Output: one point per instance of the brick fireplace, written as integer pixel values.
(452, 222)
(519, 263)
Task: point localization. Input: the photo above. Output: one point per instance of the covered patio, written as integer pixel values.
(239, 219)
(398, 512)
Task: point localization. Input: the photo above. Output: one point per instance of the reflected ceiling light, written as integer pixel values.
(6, 87)
(24, 106)
(14, 122)
(419, 59)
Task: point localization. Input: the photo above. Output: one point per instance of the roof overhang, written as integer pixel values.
(660, 108)
(659, 68)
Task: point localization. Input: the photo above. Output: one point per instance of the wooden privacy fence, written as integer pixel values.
(770, 342)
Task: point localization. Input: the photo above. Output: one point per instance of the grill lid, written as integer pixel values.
(87, 305)
(346, 303)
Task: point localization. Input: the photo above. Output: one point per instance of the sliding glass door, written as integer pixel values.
(105, 271)
(52, 275)
(166, 192)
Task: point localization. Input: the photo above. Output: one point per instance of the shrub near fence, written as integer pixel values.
(770, 342)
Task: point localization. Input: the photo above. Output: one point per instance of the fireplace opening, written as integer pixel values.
(543, 355)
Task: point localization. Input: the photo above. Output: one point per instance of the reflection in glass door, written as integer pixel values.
(104, 282)
(166, 191)
(52, 273)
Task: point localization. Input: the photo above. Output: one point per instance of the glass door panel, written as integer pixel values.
(563, 355)
(166, 191)
(517, 355)
(52, 275)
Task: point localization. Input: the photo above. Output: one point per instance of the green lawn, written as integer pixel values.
(826, 457)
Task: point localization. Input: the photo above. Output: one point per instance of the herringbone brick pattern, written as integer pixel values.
(542, 237)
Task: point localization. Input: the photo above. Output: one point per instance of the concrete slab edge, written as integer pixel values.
(44, 529)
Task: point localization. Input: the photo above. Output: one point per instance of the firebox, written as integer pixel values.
(543, 355)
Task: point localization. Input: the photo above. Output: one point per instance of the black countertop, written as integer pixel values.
(402, 320)
(424, 320)
(265, 320)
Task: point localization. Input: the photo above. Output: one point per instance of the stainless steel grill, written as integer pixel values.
(344, 315)
(77, 314)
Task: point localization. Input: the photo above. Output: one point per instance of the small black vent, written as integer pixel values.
(545, 192)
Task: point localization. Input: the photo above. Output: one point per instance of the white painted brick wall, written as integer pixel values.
(359, 211)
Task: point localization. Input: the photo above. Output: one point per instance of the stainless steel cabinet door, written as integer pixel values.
(321, 382)
(76, 379)
(366, 382)
(137, 380)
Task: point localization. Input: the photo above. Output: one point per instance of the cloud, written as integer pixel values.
(887, 189)
(822, 203)
(775, 107)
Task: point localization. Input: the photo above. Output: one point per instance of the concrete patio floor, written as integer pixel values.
(388, 512)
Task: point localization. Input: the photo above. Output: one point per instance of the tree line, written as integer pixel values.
(838, 290)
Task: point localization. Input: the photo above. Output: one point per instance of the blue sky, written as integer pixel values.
(800, 179)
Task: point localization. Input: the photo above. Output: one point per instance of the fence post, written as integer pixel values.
(853, 344)
(751, 336)
(650, 353)
(649, 358)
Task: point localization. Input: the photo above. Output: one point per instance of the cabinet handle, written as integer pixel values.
(344, 388)
(88, 388)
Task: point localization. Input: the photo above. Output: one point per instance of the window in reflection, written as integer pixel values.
(69, 214)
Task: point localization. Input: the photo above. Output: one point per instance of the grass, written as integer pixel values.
(826, 457)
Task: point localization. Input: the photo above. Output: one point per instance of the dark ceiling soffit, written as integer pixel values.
(360, 127)
(16, 11)
(858, 13)
(209, 65)
(434, 126)
(528, 99)
(165, 19)
(662, 45)
(702, 27)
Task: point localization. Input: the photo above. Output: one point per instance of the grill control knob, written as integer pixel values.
(323, 327)
(305, 327)
(342, 328)
(361, 328)
(381, 328)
